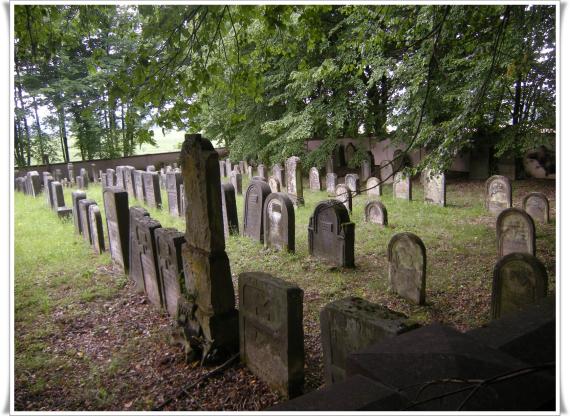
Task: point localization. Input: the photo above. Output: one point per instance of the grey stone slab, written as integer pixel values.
(173, 182)
(332, 182)
(145, 230)
(279, 222)
(375, 212)
(435, 188)
(353, 182)
(294, 180)
(255, 196)
(57, 192)
(76, 196)
(235, 179)
(129, 180)
(84, 205)
(314, 179)
(139, 185)
(407, 267)
(96, 227)
(537, 206)
(64, 213)
(135, 264)
(386, 171)
(151, 183)
(515, 232)
(402, 187)
(229, 210)
(274, 184)
(262, 171)
(373, 187)
(116, 204)
(169, 243)
(344, 196)
(111, 179)
(499, 194)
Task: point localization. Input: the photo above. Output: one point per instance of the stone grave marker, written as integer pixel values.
(111, 180)
(434, 188)
(151, 185)
(64, 213)
(81, 182)
(119, 177)
(94, 176)
(77, 196)
(128, 175)
(407, 267)
(241, 167)
(169, 246)
(332, 181)
(386, 171)
(279, 174)
(50, 197)
(116, 204)
(515, 232)
(229, 210)
(173, 182)
(373, 187)
(84, 205)
(83, 172)
(135, 265)
(182, 201)
(104, 180)
(353, 182)
(262, 171)
(331, 234)
(536, 205)
(274, 184)
(271, 331)
(402, 186)
(519, 279)
(366, 166)
(150, 168)
(35, 183)
(145, 230)
(344, 195)
(279, 222)
(70, 173)
(249, 172)
(375, 212)
(255, 196)
(235, 179)
(96, 227)
(139, 185)
(499, 194)
(222, 169)
(57, 192)
(314, 179)
(349, 152)
(58, 175)
(294, 179)
(228, 166)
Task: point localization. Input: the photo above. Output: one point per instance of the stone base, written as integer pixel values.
(64, 213)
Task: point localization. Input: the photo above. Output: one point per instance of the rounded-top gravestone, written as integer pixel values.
(407, 266)
(499, 194)
(373, 186)
(537, 206)
(375, 212)
(344, 195)
(515, 232)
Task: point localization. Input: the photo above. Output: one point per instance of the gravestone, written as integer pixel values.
(84, 205)
(173, 182)
(94, 176)
(104, 180)
(350, 324)
(96, 227)
(139, 185)
(135, 266)
(35, 183)
(249, 172)
(519, 279)
(434, 188)
(255, 196)
(279, 222)
(70, 173)
(375, 212)
(50, 197)
(145, 230)
(64, 213)
(150, 168)
(274, 184)
(344, 195)
(129, 180)
(499, 194)
(207, 315)
(279, 174)
(402, 187)
(182, 201)
(353, 182)
(77, 196)
(57, 175)
(119, 177)
(331, 183)
(151, 185)
(386, 171)
(349, 153)
(294, 179)
(537, 206)
(81, 182)
(83, 173)
(314, 179)
(235, 180)
(373, 187)
(262, 171)
(116, 204)
(228, 167)
(331, 234)
(329, 168)
(111, 180)
(242, 167)
(169, 246)
(229, 210)
(515, 232)
(57, 191)
(222, 169)
(366, 166)
(407, 267)
(271, 331)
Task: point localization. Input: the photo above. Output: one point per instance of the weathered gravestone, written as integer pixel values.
(271, 331)
(129, 180)
(182, 201)
(242, 167)
(84, 205)
(386, 171)
(70, 173)
(274, 184)
(169, 246)
(373, 186)
(116, 204)
(250, 172)
(139, 185)
(314, 179)
(350, 324)
(173, 182)
(64, 212)
(151, 185)
(96, 227)
(207, 315)
(344, 195)
(222, 169)
(111, 180)
(145, 229)
(519, 279)
(349, 153)
(235, 179)
(255, 196)
(104, 180)
(83, 173)
(229, 210)
(262, 171)
(35, 183)
(536, 205)
(407, 267)
(119, 177)
(353, 182)
(150, 168)
(402, 187)
(515, 232)
(49, 192)
(81, 183)
(499, 194)
(77, 196)
(57, 192)
(375, 211)
(331, 234)
(434, 188)
(331, 180)
(279, 222)
(294, 179)
(94, 176)
(279, 174)
(228, 167)
(366, 166)
(58, 175)
(135, 266)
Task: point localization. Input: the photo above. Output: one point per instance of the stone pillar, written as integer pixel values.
(294, 181)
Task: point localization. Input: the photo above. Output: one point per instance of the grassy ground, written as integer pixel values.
(85, 340)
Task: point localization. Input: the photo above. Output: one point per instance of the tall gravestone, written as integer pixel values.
(332, 182)
(344, 195)
(229, 210)
(70, 173)
(57, 191)
(94, 177)
(58, 175)
(135, 265)
(208, 312)
(331, 234)
(145, 230)
(279, 222)
(255, 196)
(294, 179)
(85, 175)
(169, 243)
(119, 177)
(222, 169)
(407, 267)
(104, 180)
(434, 188)
(515, 232)
(173, 182)
(250, 172)
(49, 191)
(537, 206)
(96, 227)
(402, 187)
(279, 174)
(116, 204)
(151, 185)
(386, 171)
(314, 179)
(274, 184)
(84, 205)
(235, 179)
(81, 182)
(366, 166)
(271, 331)
(349, 153)
(373, 187)
(499, 194)
(129, 180)
(139, 185)
(77, 196)
(35, 183)
(111, 180)
(182, 200)
(228, 167)
(375, 212)
(262, 171)
(353, 182)
(519, 280)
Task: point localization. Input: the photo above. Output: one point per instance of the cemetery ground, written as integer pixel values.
(85, 340)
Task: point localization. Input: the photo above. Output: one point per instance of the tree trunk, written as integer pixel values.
(38, 128)
(517, 104)
(27, 129)
(63, 133)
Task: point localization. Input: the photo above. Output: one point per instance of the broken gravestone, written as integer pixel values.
(279, 222)
(515, 232)
(407, 267)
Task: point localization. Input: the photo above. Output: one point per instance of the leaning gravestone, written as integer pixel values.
(235, 179)
(515, 232)
(139, 185)
(271, 331)
(407, 267)
(116, 204)
(262, 171)
(351, 324)
(279, 174)
(402, 187)
(331, 234)
(84, 205)
(274, 184)
(152, 194)
(229, 210)
(77, 196)
(96, 227)
(169, 246)
(279, 222)
(331, 183)
(499, 194)
(375, 212)
(255, 196)
(519, 280)
(314, 179)
(294, 179)
(344, 195)
(373, 186)
(173, 182)
(434, 188)
(135, 266)
(145, 229)
(353, 182)
(536, 205)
